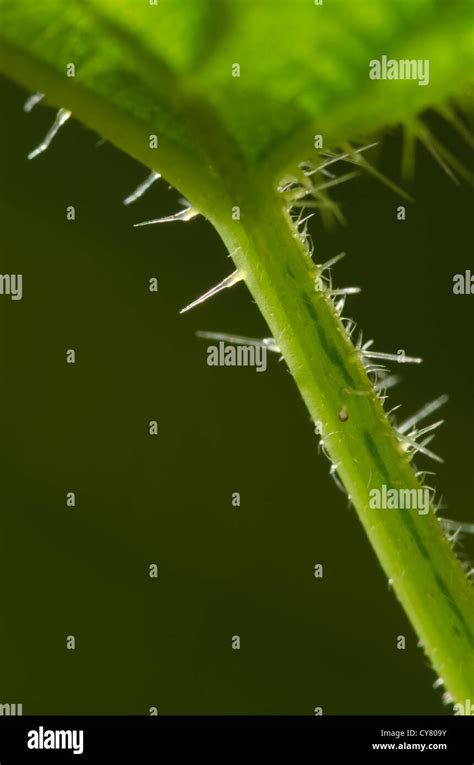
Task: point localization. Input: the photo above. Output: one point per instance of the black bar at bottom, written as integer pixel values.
(145, 739)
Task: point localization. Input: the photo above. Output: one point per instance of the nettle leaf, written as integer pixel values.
(167, 69)
(236, 91)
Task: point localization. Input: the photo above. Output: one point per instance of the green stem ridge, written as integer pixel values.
(413, 549)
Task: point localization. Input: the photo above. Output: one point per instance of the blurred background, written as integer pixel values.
(223, 571)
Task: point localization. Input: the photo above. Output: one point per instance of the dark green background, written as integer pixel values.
(223, 571)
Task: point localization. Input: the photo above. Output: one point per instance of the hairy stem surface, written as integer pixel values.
(412, 548)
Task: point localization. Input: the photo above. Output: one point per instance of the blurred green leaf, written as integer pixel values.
(167, 69)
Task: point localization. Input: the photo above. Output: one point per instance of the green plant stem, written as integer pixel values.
(412, 548)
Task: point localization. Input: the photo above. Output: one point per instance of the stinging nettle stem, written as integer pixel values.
(413, 549)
